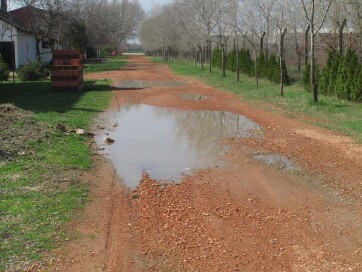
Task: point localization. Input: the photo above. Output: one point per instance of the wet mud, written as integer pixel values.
(248, 215)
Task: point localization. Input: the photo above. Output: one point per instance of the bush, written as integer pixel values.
(107, 51)
(347, 74)
(273, 70)
(357, 94)
(4, 70)
(327, 81)
(262, 65)
(342, 76)
(231, 61)
(33, 71)
(217, 58)
(247, 65)
(270, 69)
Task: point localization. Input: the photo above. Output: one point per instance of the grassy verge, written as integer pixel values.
(113, 63)
(330, 112)
(40, 188)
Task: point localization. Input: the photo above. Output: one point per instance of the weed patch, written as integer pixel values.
(40, 166)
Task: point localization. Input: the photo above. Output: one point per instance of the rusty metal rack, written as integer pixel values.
(67, 70)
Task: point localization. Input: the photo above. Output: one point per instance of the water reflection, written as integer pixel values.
(142, 84)
(167, 143)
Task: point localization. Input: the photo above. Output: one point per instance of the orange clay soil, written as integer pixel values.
(246, 216)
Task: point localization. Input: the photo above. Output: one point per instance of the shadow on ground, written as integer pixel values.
(39, 97)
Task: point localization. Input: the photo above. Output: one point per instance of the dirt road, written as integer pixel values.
(246, 216)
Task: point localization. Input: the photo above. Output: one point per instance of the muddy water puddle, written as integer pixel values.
(276, 160)
(167, 143)
(142, 84)
(194, 96)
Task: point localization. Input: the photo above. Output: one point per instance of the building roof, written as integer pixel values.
(7, 17)
(22, 15)
(26, 14)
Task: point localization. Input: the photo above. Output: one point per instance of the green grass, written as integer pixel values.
(113, 63)
(330, 112)
(40, 191)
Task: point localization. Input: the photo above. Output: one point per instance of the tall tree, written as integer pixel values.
(311, 9)
(222, 29)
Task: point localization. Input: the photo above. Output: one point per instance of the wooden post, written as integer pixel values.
(237, 60)
(306, 45)
(282, 61)
(262, 42)
(340, 36)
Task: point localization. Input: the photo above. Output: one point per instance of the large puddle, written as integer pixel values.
(142, 84)
(167, 143)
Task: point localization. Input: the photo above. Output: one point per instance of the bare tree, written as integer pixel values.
(46, 19)
(124, 19)
(355, 15)
(239, 27)
(197, 18)
(280, 17)
(315, 27)
(265, 9)
(223, 29)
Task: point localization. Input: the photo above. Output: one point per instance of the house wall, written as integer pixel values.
(46, 54)
(26, 48)
(24, 44)
(9, 33)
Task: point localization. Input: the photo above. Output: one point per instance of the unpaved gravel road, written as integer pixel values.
(246, 216)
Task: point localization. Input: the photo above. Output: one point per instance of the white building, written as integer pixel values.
(18, 46)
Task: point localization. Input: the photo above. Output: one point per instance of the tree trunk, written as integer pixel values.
(223, 60)
(267, 38)
(201, 58)
(256, 67)
(299, 62)
(312, 67)
(306, 46)
(195, 54)
(210, 55)
(340, 36)
(237, 61)
(281, 60)
(262, 42)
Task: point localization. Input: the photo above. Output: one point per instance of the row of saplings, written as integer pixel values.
(267, 67)
(341, 76)
(31, 71)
